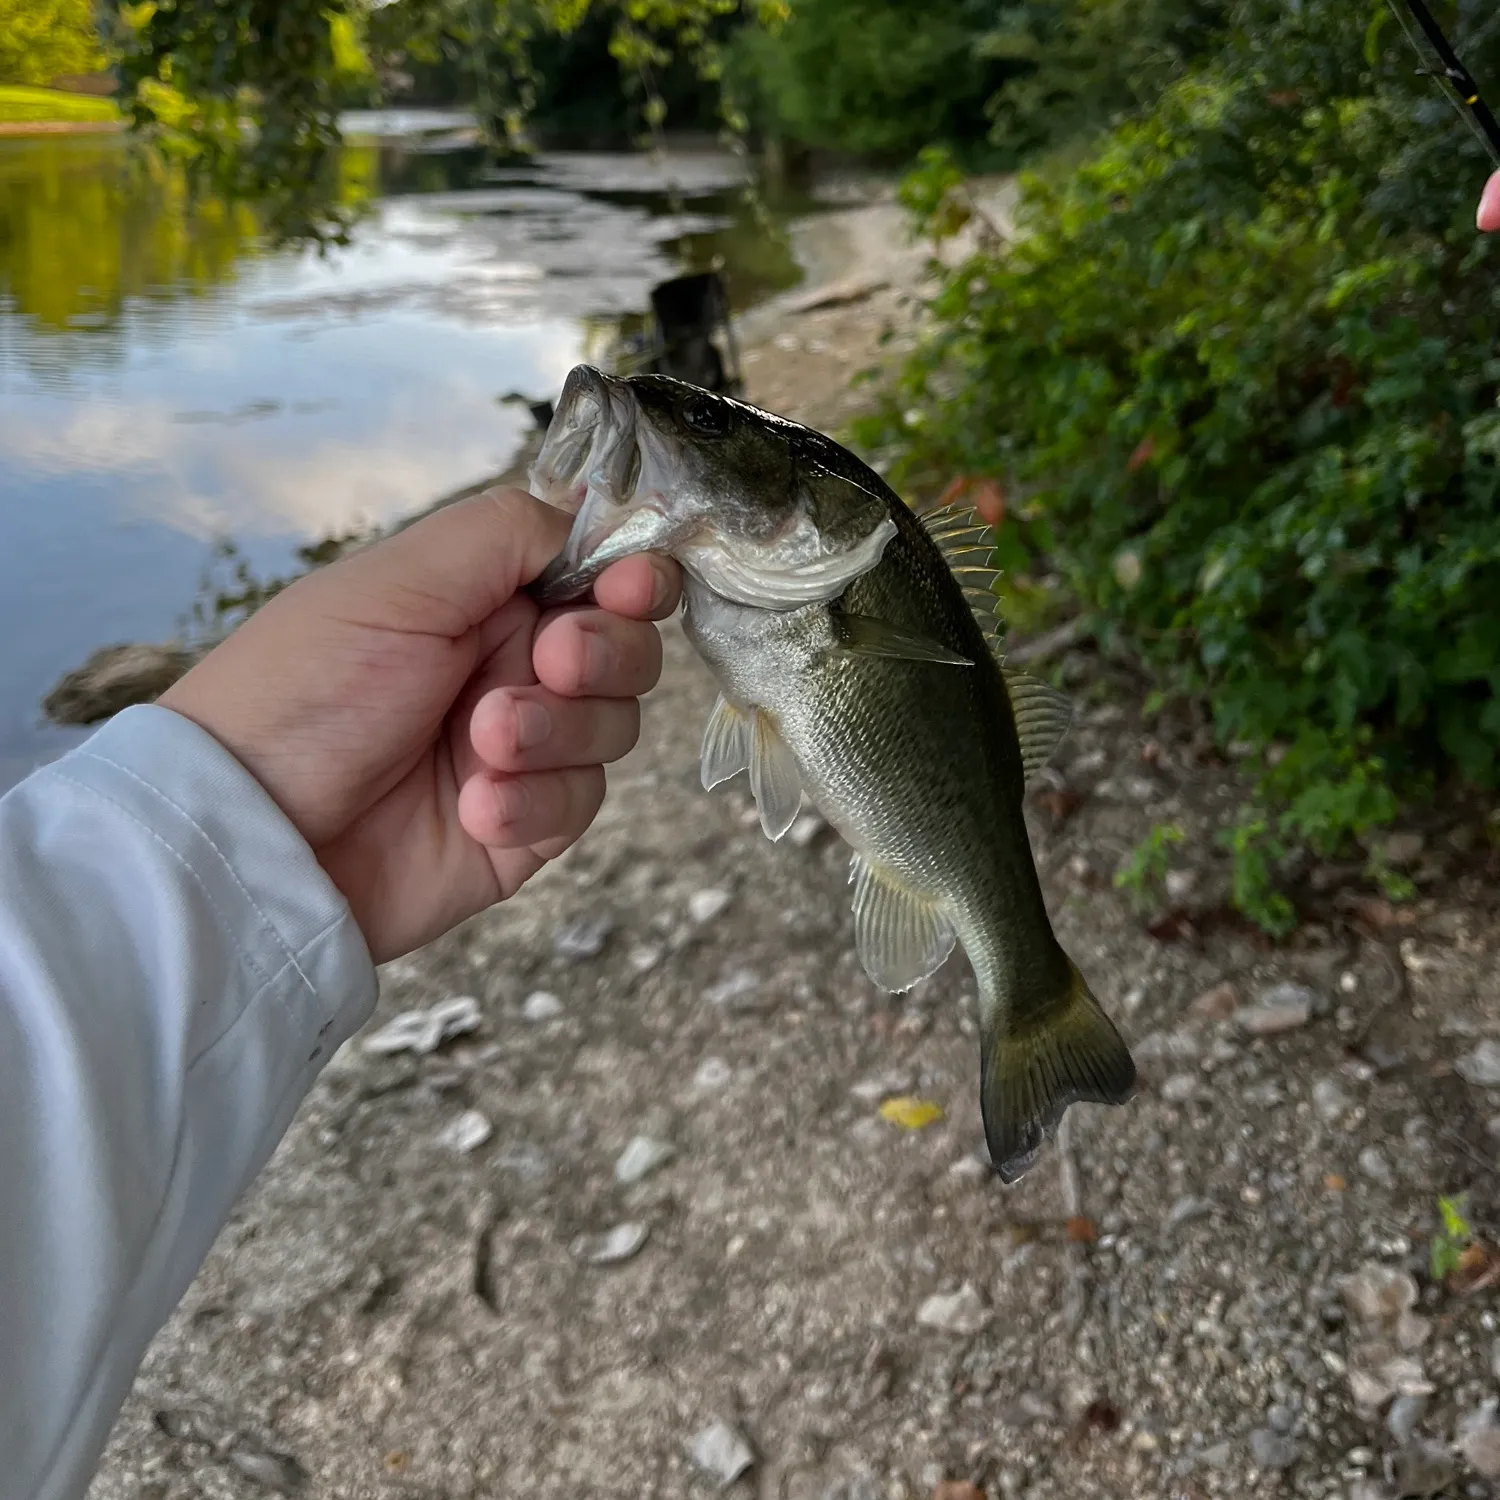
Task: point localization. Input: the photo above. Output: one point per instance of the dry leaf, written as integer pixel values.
(1478, 1267)
(1081, 1229)
(1333, 1182)
(910, 1113)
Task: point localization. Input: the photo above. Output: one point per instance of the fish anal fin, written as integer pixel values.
(1042, 716)
(863, 635)
(901, 936)
(774, 777)
(1028, 1076)
(726, 744)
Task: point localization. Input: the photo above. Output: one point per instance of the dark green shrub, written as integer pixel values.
(1244, 362)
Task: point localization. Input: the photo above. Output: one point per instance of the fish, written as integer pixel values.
(859, 664)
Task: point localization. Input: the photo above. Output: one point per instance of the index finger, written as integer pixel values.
(644, 587)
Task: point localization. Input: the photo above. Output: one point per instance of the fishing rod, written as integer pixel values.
(1442, 63)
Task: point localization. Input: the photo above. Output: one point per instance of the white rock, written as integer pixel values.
(1479, 1441)
(713, 1073)
(721, 1453)
(705, 905)
(1376, 1293)
(733, 988)
(584, 937)
(641, 1158)
(1330, 1102)
(542, 1005)
(807, 827)
(960, 1312)
(1282, 1007)
(1179, 1088)
(423, 1031)
(1481, 1066)
(467, 1133)
(1180, 884)
(611, 1247)
(1372, 1164)
(644, 957)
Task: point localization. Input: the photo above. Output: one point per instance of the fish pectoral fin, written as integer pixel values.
(864, 635)
(1069, 1053)
(901, 937)
(1042, 717)
(726, 744)
(774, 777)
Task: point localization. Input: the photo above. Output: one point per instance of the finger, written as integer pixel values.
(515, 812)
(529, 729)
(1489, 205)
(590, 653)
(645, 587)
(453, 569)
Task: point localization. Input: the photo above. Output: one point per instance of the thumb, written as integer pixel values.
(1488, 217)
(452, 570)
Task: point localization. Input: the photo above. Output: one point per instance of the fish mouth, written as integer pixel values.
(606, 468)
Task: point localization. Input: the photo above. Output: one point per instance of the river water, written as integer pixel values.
(169, 385)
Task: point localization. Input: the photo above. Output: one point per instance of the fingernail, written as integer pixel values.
(512, 801)
(533, 723)
(598, 656)
(661, 591)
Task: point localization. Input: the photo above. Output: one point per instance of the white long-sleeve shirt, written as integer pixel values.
(175, 968)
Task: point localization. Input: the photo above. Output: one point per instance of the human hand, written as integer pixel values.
(1488, 217)
(433, 734)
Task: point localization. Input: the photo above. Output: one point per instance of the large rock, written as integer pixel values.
(113, 678)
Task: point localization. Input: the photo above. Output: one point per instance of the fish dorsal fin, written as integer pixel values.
(901, 936)
(967, 544)
(1042, 717)
(735, 741)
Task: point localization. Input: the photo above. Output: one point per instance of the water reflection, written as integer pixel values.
(166, 381)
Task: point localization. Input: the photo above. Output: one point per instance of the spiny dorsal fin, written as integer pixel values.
(1042, 718)
(967, 545)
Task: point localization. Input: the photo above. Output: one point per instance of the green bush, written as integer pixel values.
(870, 77)
(1243, 365)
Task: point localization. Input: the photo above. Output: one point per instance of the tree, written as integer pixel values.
(42, 39)
(249, 90)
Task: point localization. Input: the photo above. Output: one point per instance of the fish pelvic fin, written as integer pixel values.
(1029, 1075)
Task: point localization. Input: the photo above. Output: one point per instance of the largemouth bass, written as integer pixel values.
(857, 657)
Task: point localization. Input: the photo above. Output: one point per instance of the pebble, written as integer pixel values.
(961, 1312)
(269, 1469)
(1217, 1004)
(644, 957)
(1217, 1457)
(806, 828)
(733, 989)
(1495, 1359)
(1280, 1417)
(611, 1247)
(1187, 1208)
(1402, 1418)
(1422, 1468)
(1403, 848)
(466, 1133)
(1479, 1441)
(1271, 1451)
(1481, 1067)
(424, 1031)
(541, 1005)
(705, 905)
(721, 1453)
(1282, 1007)
(1330, 1102)
(712, 1073)
(583, 937)
(1378, 1293)
(641, 1158)
(1180, 884)
(1373, 1164)
(1179, 1088)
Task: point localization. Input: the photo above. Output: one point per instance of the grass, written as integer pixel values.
(21, 105)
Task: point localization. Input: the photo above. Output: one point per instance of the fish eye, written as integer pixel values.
(704, 416)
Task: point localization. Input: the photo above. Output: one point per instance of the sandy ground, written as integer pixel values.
(1220, 1290)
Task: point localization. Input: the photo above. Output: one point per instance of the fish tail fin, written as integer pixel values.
(1030, 1073)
